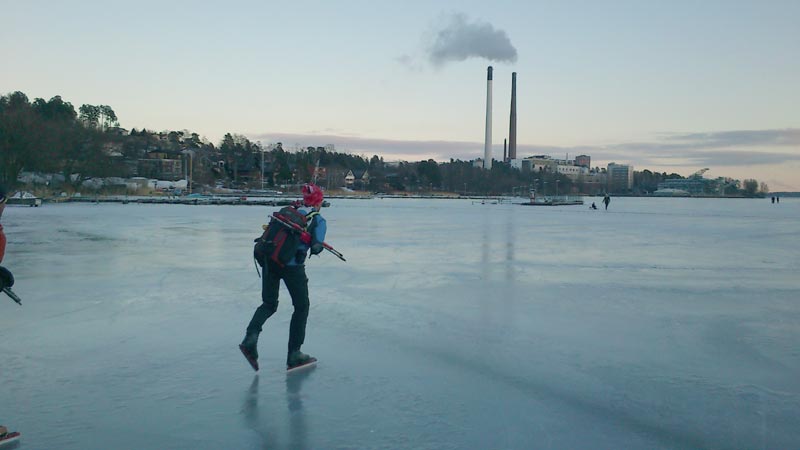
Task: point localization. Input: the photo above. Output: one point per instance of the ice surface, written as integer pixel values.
(660, 323)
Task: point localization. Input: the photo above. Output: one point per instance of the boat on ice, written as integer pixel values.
(556, 200)
(24, 198)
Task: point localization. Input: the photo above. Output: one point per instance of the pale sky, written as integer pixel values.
(669, 86)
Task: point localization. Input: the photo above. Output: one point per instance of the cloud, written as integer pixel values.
(721, 148)
(460, 39)
(741, 138)
(388, 148)
(409, 62)
(745, 158)
(714, 149)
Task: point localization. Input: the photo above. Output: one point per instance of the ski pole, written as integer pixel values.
(303, 232)
(334, 251)
(13, 296)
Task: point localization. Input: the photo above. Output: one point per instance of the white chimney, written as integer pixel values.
(487, 147)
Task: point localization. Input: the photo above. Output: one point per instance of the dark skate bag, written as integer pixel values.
(279, 243)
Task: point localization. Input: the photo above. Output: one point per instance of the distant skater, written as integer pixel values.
(773, 199)
(777, 199)
(293, 274)
(606, 200)
(593, 206)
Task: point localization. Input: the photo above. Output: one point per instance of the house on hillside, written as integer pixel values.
(357, 179)
(162, 165)
(245, 168)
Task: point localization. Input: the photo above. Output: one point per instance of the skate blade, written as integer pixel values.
(10, 438)
(253, 363)
(307, 365)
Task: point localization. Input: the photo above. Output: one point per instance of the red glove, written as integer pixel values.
(305, 238)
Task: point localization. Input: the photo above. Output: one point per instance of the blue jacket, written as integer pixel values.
(318, 227)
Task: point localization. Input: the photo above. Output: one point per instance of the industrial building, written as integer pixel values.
(695, 184)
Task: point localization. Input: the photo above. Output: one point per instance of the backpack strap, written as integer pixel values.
(312, 224)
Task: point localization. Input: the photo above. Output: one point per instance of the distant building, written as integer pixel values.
(670, 192)
(583, 161)
(593, 182)
(161, 165)
(138, 182)
(357, 179)
(542, 163)
(161, 169)
(694, 186)
(572, 171)
(620, 177)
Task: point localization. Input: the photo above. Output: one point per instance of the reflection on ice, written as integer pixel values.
(266, 424)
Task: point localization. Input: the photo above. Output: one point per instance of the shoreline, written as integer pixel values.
(248, 200)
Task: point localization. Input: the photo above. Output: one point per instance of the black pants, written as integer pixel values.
(297, 282)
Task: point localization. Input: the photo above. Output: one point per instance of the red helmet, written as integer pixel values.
(312, 194)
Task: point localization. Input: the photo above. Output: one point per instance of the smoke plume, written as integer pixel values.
(461, 39)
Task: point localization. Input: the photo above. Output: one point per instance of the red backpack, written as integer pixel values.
(279, 243)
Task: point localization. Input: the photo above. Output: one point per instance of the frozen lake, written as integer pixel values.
(660, 323)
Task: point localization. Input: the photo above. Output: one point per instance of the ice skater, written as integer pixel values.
(293, 274)
(606, 200)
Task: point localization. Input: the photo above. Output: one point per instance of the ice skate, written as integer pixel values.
(298, 360)
(249, 349)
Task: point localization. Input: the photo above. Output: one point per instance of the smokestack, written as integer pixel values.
(487, 146)
(505, 155)
(512, 131)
